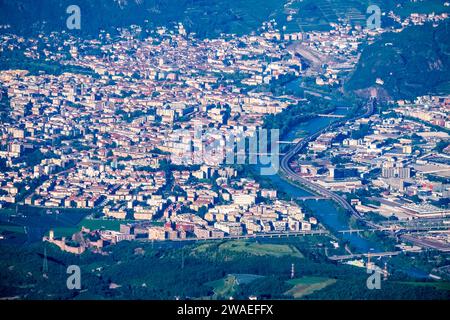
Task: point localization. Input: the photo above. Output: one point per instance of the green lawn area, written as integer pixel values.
(15, 229)
(259, 249)
(69, 217)
(307, 285)
(93, 224)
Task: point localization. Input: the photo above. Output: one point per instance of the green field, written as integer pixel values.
(307, 285)
(258, 249)
(66, 221)
(14, 229)
(93, 224)
(64, 224)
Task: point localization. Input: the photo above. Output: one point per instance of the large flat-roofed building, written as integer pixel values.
(426, 210)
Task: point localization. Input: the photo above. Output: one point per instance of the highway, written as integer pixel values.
(292, 176)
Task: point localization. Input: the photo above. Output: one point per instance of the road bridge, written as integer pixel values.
(292, 176)
(365, 255)
(311, 198)
(338, 116)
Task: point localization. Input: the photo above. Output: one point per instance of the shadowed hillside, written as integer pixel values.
(411, 63)
(207, 18)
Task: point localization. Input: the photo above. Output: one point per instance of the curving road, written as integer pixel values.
(299, 147)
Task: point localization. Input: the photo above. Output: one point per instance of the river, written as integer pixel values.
(325, 210)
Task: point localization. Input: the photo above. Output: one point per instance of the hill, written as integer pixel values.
(411, 63)
(207, 18)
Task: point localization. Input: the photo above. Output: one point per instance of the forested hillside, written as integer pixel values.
(411, 63)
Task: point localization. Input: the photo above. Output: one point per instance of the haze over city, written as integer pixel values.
(224, 150)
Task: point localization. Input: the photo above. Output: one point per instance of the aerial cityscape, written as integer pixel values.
(217, 150)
